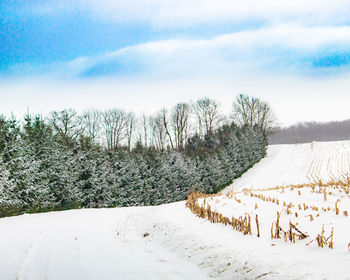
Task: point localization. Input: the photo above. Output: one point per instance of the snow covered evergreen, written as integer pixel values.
(40, 172)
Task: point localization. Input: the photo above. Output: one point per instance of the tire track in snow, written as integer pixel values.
(30, 255)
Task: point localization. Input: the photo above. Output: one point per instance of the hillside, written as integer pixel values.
(298, 163)
(170, 242)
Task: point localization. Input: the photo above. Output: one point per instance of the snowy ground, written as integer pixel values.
(169, 242)
(296, 164)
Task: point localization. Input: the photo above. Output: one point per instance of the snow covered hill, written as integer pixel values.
(296, 164)
(169, 242)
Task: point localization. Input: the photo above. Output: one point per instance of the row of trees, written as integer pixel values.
(164, 129)
(60, 163)
(116, 127)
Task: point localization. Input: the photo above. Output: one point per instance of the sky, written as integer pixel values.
(143, 55)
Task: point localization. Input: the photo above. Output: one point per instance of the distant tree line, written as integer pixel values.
(312, 131)
(113, 158)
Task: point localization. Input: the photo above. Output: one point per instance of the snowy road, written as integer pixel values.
(165, 242)
(85, 244)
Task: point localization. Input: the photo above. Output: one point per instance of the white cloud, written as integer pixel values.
(220, 67)
(176, 13)
(287, 45)
(284, 49)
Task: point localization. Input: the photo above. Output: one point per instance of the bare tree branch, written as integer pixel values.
(67, 125)
(92, 122)
(208, 115)
(115, 126)
(181, 123)
(252, 112)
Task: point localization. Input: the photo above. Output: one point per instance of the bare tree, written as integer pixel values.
(252, 112)
(181, 123)
(143, 129)
(115, 126)
(208, 115)
(130, 127)
(92, 122)
(163, 114)
(67, 125)
(155, 130)
(159, 135)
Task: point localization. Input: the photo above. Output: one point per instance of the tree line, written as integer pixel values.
(312, 131)
(116, 127)
(113, 158)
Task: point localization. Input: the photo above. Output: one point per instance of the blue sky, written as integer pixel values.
(145, 54)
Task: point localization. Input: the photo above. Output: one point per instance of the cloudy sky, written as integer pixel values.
(146, 54)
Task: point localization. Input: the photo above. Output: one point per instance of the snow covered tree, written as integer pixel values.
(9, 203)
(52, 166)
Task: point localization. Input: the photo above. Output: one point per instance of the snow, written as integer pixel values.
(169, 242)
(295, 164)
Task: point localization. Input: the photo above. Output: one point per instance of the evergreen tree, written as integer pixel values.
(9, 203)
(40, 171)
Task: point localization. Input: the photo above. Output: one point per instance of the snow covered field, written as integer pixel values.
(169, 242)
(297, 164)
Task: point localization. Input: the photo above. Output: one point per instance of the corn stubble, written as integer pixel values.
(331, 191)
